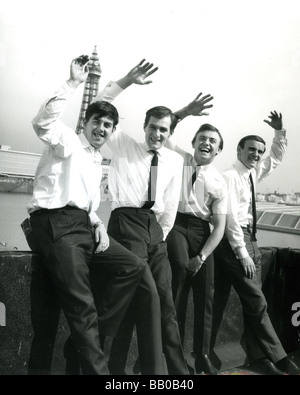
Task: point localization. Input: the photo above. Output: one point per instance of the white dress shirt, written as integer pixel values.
(69, 171)
(239, 192)
(208, 196)
(130, 168)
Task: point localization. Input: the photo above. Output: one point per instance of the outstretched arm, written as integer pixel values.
(196, 107)
(137, 75)
(278, 147)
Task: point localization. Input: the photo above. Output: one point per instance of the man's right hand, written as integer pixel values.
(248, 266)
(78, 71)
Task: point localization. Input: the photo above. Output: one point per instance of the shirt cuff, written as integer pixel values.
(241, 252)
(280, 134)
(109, 93)
(94, 218)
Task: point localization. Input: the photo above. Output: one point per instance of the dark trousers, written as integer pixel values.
(184, 242)
(261, 338)
(67, 275)
(139, 231)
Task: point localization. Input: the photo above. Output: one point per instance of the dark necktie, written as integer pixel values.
(253, 208)
(194, 177)
(152, 181)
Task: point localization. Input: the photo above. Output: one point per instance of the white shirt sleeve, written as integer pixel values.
(233, 230)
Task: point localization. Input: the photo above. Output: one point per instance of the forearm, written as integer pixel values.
(235, 236)
(277, 151)
(109, 93)
(51, 110)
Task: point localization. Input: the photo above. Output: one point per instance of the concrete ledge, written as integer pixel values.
(281, 279)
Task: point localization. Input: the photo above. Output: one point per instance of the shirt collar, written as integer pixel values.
(86, 145)
(146, 148)
(202, 167)
(242, 169)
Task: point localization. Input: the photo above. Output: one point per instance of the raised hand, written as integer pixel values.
(276, 120)
(199, 104)
(140, 72)
(79, 70)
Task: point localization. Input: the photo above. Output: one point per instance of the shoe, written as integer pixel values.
(287, 366)
(203, 364)
(266, 367)
(71, 357)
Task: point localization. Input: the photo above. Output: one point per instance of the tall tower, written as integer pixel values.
(90, 87)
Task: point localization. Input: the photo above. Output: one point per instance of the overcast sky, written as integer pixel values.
(245, 53)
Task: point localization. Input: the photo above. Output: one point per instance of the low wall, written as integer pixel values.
(281, 284)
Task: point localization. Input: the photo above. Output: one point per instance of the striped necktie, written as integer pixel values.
(152, 181)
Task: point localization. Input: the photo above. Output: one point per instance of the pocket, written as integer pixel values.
(60, 224)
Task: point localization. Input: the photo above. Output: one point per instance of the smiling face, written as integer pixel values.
(251, 153)
(98, 130)
(157, 132)
(207, 146)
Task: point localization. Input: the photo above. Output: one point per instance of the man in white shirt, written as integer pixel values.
(191, 242)
(238, 257)
(143, 227)
(67, 232)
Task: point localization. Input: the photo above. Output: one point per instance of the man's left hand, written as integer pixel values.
(194, 265)
(140, 72)
(275, 120)
(199, 104)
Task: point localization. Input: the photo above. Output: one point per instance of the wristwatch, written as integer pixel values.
(202, 257)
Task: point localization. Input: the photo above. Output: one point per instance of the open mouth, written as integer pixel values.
(204, 150)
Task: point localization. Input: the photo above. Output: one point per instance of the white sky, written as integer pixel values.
(245, 53)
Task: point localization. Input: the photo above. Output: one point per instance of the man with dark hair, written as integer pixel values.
(67, 233)
(191, 242)
(144, 182)
(238, 257)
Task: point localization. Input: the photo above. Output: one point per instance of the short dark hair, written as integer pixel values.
(208, 127)
(251, 137)
(103, 109)
(161, 112)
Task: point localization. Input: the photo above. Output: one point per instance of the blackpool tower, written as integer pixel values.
(91, 87)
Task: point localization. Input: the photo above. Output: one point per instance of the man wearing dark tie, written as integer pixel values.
(238, 257)
(144, 182)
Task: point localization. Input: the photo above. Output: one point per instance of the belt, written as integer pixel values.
(135, 209)
(43, 211)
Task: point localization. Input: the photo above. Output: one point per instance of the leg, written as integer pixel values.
(145, 311)
(178, 253)
(161, 271)
(45, 312)
(127, 227)
(254, 305)
(66, 241)
(122, 271)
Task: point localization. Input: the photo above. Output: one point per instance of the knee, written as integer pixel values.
(178, 267)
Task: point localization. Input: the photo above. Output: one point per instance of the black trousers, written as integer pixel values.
(261, 338)
(139, 231)
(67, 275)
(184, 242)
